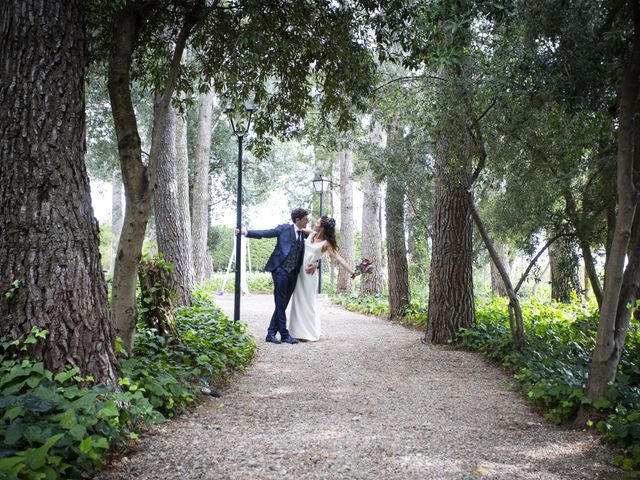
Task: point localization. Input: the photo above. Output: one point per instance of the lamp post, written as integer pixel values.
(240, 122)
(320, 184)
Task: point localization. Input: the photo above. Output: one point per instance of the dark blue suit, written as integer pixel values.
(284, 282)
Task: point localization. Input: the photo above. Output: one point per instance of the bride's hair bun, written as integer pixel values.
(329, 227)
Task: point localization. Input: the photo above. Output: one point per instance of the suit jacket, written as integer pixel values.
(286, 236)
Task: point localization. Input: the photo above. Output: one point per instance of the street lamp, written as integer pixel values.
(320, 184)
(240, 122)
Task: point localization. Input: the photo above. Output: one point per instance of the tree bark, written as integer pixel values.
(49, 247)
(497, 284)
(564, 265)
(345, 284)
(171, 205)
(138, 179)
(611, 335)
(399, 292)
(451, 303)
(371, 283)
(200, 197)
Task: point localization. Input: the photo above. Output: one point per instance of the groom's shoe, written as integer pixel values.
(290, 340)
(272, 339)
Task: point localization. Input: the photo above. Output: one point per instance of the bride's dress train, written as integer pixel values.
(304, 323)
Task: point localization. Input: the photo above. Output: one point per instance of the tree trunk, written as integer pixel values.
(564, 270)
(372, 283)
(611, 335)
(49, 246)
(138, 179)
(171, 205)
(516, 324)
(399, 292)
(590, 268)
(497, 284)
(117, 193)
(451, 303)
(200, 197)
(345, 284)
(156, 292)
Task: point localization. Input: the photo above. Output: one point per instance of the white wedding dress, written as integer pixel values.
(304, 322)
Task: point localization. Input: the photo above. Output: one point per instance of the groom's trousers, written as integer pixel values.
(283, 284)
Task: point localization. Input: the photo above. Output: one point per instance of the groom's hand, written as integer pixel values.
(238, 232)
(311, 268)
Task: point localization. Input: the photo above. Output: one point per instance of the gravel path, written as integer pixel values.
(367, 401)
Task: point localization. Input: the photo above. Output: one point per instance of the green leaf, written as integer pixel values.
(64, 376)
(78, 432)
(7, 464)
(85, 445)
(109, 409)
(36, 457)
(68, 420)
(13, 412)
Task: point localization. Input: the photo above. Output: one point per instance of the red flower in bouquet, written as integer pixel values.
(364, 266)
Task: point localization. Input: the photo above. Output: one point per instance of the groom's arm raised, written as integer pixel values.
(273, 232)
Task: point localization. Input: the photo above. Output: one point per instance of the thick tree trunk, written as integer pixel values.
(451, 303)
(347, 237)
(171, 206)
(611, 335)
(200, 197)
(138, 179)
(497, 284)
(399, 292)
(371, 284)
(564, 270)
(49, 248)
(117, 192)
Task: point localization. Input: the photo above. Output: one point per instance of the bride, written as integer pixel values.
(304, 323)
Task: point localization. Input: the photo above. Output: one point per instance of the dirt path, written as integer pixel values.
(367, 401)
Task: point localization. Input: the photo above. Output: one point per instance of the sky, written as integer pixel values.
(267, 215)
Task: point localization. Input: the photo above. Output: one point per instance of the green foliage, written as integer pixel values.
(56, 426)
(53, 425)
(208, 345)
(415, 315)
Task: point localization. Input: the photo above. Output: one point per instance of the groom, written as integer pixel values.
(284, 264)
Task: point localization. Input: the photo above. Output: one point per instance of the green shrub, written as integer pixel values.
(54, 426)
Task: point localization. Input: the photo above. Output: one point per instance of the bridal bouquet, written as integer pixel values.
(364, 266)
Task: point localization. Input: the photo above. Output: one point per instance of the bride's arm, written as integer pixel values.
(341, 261)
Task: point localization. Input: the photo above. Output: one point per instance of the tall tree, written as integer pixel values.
(139, 178)
(347, 227)
(451, 303)
(614, 314)
(51, 274)
(171, 202)
(564, 265)
(399, 292)
(373, 283)
(200, 195)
